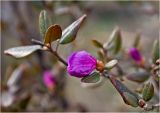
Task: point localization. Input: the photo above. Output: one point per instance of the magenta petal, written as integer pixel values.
(81, 64)
(134, 53)
(48, 79)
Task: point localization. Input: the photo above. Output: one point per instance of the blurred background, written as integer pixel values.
(19, 24)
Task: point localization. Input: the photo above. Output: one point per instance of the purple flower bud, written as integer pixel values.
(81, 64)
(134, 53)
(49, 79)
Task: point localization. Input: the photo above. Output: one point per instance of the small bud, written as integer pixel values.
(100, 66)
(141, 103)
(136, 56)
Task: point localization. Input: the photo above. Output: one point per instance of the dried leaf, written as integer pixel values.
(22, 51)
(69, 34)
(53, 33)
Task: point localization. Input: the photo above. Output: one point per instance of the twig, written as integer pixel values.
(37, 42)
(58, 57)
(50, 50)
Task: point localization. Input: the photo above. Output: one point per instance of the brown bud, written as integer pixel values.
(141, 103)
(100, 66)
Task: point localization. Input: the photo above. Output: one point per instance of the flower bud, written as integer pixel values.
(81, 64)
(136, 56)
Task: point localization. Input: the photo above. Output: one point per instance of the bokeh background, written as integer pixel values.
(19, 24)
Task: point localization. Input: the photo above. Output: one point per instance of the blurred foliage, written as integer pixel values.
(22, 84)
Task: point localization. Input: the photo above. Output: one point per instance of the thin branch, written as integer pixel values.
(58, 57)
(37, 42)
(50, 50)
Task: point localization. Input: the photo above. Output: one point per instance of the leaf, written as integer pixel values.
(22, 51)
(137, 41)
(93, 85)
(111, 64)
(69, 34)
(138, 77)
(155, 51)
(97, 44)
(101, 56)
(53, 33)
(118, 42)
(43, 22)
(148, 91)
(92, 78)
(7, 99)
(131, 98)
(115, 41)
(15, 77)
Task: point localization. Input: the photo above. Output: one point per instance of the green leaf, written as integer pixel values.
(137, 41)
(155, 51)
(138, 77)
(97, 44)
(53, 33)
(118, 42)
(92, 78)
(128, 96)
(101, 56)
(23, 51)
(93, 85)
(148, 91)
(115, 41)
(43, 22)
(131, 99)
(111, 64)
(69, 34)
